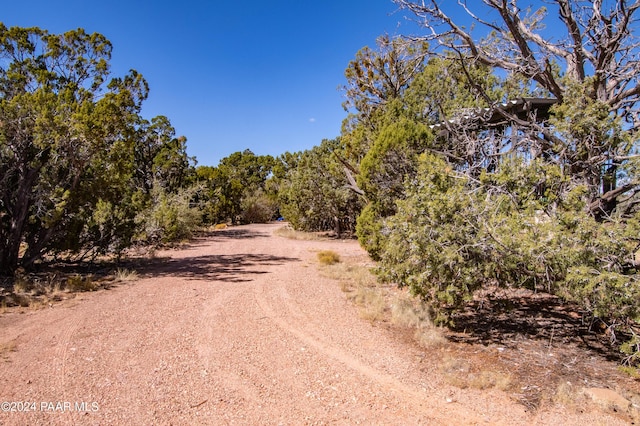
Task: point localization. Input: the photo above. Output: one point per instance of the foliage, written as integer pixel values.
(546, 200)
(238, 184)
(432, 247)
(258, 207)
(76, 158)
(377, 77)
(443, 90)
(160, 157)
(390, 159)
(590, 71)
(631, 348)
(382, 141)
(169, 216)
(314, 196)
(369, 230)
(56, 135)
(452, 236)
(596, 147)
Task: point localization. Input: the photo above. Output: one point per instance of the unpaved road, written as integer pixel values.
(238, 328)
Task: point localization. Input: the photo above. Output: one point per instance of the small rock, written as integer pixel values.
(607, 398)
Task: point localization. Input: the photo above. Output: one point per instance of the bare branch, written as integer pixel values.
(575, 58)
(352, 183)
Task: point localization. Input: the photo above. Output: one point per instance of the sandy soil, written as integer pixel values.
(236, 328)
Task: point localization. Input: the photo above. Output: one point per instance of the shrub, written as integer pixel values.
(328, 257)
(257, 207)
(169, 218)
(369, 231)
(522, 226)
(433, 248)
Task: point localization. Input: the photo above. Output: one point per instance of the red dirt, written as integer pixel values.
(236, 328)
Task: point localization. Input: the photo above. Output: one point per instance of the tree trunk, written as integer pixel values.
(10, 253)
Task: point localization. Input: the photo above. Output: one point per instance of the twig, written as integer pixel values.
(199, 404)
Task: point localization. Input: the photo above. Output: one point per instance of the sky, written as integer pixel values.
(231, 75)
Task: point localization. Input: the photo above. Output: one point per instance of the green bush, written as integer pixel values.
(169, 218)
(453, 235)
(432, 247)
(369, 231)
(313, 196)
(257, 207)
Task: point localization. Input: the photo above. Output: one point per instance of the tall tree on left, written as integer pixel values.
(66, 135)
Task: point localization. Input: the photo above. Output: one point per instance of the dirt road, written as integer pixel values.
(237, 328)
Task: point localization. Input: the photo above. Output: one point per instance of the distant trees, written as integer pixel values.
(77, 163)
(313, 193)
(237, 189)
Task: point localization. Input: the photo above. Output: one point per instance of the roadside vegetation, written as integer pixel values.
(538, 366)
(472, 167)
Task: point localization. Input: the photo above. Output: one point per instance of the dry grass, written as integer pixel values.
(358, 283)
(6, 348)
(290, 233)
(328, 257)
(22, 284)
(408, 312)
(79, 283)
(35, 291)
(429, 336)
(57, 282)
(378, 302)
(568, 395)
(383, 303)
(124, 275)
(490, 379)
(15, 299)
(458, 372)
(371, 303)
(528, 368)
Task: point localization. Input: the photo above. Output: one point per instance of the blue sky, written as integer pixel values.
(262, 75)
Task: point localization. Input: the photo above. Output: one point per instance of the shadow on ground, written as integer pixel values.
(227, 268)
(506, 319)
(539, 342)
(232, 234)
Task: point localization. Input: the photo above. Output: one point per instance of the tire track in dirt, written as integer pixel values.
(416, 398)
(229, 385)
(61, 356)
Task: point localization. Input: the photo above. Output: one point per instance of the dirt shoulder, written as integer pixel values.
(236, 328)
